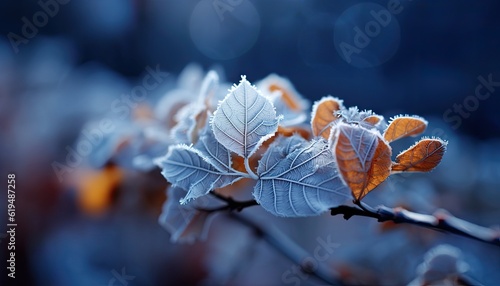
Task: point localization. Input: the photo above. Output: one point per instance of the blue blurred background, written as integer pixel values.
(62, 63)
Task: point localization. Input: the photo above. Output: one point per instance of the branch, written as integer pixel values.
(441, 220)
(284, 245)
(231, 204)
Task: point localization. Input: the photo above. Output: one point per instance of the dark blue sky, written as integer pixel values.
(432, 51)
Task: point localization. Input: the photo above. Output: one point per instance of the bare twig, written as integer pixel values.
(231, 204)
(440, 220)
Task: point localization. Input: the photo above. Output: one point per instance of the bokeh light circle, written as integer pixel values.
(224, 29)
(367, 35)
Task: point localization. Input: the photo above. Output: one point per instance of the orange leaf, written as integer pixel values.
(373, 119)
(323, 114)
(201, 120)
(380, 168)
(404, 126)
(289, 131)
(363, 158)
(423, 156)
(292, 99)
(289, 98)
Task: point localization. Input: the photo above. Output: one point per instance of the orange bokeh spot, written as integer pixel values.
(95, 188)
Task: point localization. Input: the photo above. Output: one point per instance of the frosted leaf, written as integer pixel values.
(244, 119)
(352, 115)
(279, 149)
(192, 117)
(183, 131)
(209, 85)
(168, 106)
(285, 98)
(323, 115)
(374, 120)
(217, 154)
(188, 168)
(185, 223)
(423, 156)
(362, 156)
(304, 182)
(190, 77)
(404, 126)
(106, 149)
(145, 161)
(441, 266)
(365, 118)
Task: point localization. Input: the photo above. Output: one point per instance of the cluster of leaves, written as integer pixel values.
(297, 170)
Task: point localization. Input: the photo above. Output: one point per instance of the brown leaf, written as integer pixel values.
(380, 168)
(404, 126)
(201, 119)
(363, 158)
(281, 89)
(373, 120)
(290, 131)
(289, 98)
(424, 156)
(323, 114)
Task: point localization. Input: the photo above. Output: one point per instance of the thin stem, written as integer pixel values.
(249, 170)
(440, 220)
(364, 206)
(287, 247)
(347, 212)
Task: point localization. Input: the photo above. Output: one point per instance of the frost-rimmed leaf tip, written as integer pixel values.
(423, 156)
(404, 126)
(324, 114)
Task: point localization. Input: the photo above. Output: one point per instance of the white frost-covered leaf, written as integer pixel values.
(303, 182)
(192, 116)
(185, 223)
(244, 119)
(217, 154)
(278, 151)
(183, 131)
(188, 168)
